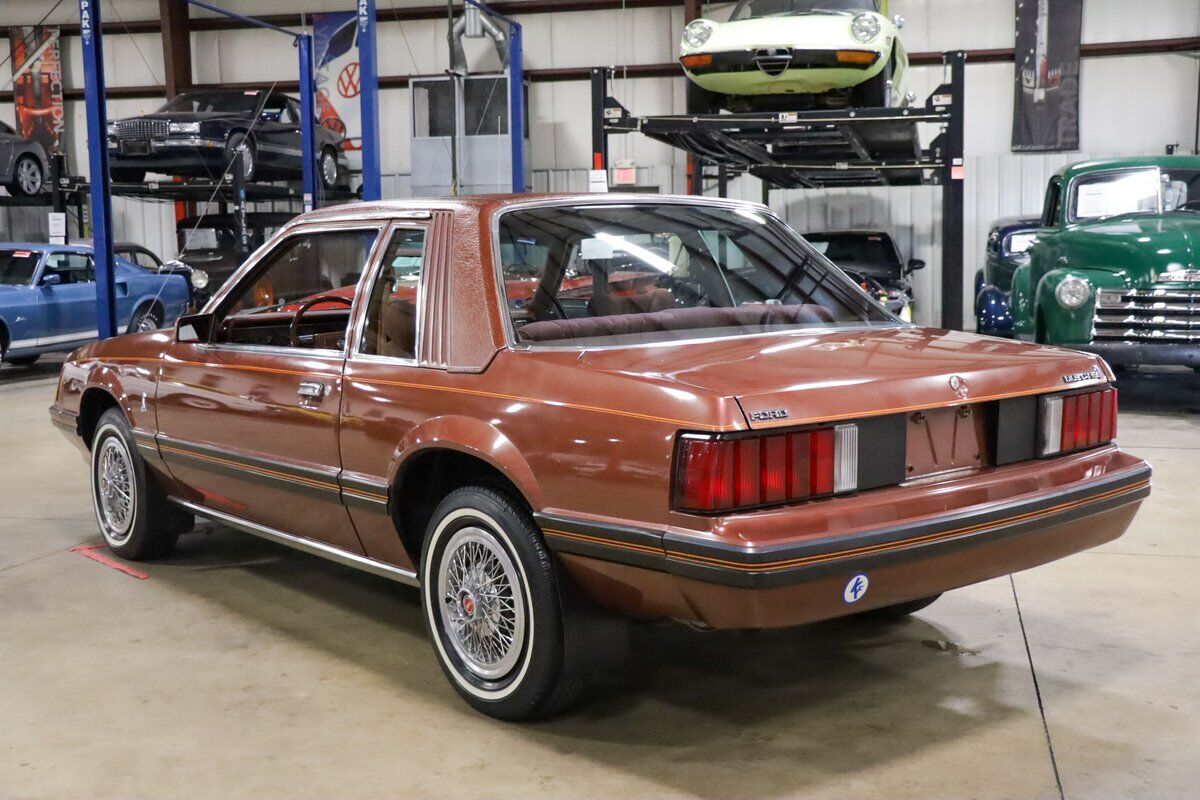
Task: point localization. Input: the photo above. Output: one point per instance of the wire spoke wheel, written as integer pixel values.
(115, 490)
(481, 608)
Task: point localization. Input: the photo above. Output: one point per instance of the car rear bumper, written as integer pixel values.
(727, 585)
(1131, 354)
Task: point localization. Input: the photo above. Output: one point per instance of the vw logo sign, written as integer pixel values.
(958, 386)
(856, 588)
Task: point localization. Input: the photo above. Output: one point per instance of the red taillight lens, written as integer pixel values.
(714, 474)
(1075, 421)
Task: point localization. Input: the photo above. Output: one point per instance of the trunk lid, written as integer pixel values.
(805, 376)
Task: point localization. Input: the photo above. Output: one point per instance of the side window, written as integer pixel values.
(301, 268)
(70, 267)
(391, 325)
(1053, 200)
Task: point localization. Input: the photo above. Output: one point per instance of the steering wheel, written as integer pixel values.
(294, 328)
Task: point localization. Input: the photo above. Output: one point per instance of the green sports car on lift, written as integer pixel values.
(1116, 266)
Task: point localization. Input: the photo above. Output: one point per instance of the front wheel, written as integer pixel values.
(23, 361)
(239, 143)
(492, 606)
(329, 169)
(135, 517)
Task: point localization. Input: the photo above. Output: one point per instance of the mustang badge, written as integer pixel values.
(1093, 374)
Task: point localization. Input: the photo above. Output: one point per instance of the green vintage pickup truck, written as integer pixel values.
(1116, 266)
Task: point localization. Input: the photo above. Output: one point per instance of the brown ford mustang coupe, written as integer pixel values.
(528, 406)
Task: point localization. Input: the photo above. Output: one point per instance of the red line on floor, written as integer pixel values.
(89, 551)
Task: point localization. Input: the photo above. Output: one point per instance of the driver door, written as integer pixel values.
(248, 420)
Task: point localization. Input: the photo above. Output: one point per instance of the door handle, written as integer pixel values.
(311, 390)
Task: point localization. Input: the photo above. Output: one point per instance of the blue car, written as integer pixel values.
(1007, 248)
(48, 299)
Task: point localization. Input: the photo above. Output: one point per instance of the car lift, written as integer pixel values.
(820, 149)
(237, 192)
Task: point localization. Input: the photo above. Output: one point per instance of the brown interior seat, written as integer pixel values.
(674, 319)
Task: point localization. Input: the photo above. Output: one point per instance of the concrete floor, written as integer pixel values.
(241, 669)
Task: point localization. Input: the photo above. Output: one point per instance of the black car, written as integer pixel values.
(210, 242)
(872, 259)
(1008, 246)
(198, 133)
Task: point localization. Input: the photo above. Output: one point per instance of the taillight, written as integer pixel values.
(1075, 421)
(717, 474)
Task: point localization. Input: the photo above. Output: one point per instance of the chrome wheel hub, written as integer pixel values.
(114, 488)
(329, 168)
(29, 176)
(481, 606)
(147, 323)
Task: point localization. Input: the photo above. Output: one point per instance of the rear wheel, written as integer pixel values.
(135, 517)
(147, 318)
(28, 177)
(493, 608)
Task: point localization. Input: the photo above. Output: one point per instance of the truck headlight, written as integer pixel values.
(1072, 292)
(865, 27)
(183, 127)
(199, 278)
(697, 32)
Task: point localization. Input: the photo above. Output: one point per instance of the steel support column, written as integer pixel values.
(952, 198)
(97, 135)
(309, 171)
(599, 134)
(368, 99)
(516, 103)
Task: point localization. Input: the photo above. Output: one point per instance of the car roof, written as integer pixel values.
(849, 232)
(488, 204)
(42, 247)
(1072, 171)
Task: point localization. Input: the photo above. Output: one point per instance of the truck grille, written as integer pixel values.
(142, 129)
(1147, 315)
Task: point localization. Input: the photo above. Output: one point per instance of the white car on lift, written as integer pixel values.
(791, 54)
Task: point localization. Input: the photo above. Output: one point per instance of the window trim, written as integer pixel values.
(500, 296)
(250, 264)
(354, 342)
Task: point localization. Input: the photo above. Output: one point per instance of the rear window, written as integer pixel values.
(17, 267)
(597, 274)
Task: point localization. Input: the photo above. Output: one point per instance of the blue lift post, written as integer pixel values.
(309, 168)
(516, 95)
(368, 99)
(97, 136)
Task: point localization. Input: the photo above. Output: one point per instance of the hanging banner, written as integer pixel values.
(37, 85)
(1046, 101)
(335, 52)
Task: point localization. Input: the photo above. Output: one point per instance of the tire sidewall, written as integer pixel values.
(147, 311)
(534, 678)
(112, 425)
(231, 147)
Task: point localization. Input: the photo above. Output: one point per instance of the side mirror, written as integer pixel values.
(898, 20)
(915, 264)
(51, 279)
(195, 328)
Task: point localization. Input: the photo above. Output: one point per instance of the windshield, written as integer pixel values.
(872, 253)
(1018, 243)
(764, 8)
(629, 274)
(225, 102)
(17, 267)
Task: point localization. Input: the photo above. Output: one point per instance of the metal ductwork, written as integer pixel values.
(474, 24)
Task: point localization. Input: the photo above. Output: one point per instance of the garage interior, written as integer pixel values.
(240, 668)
